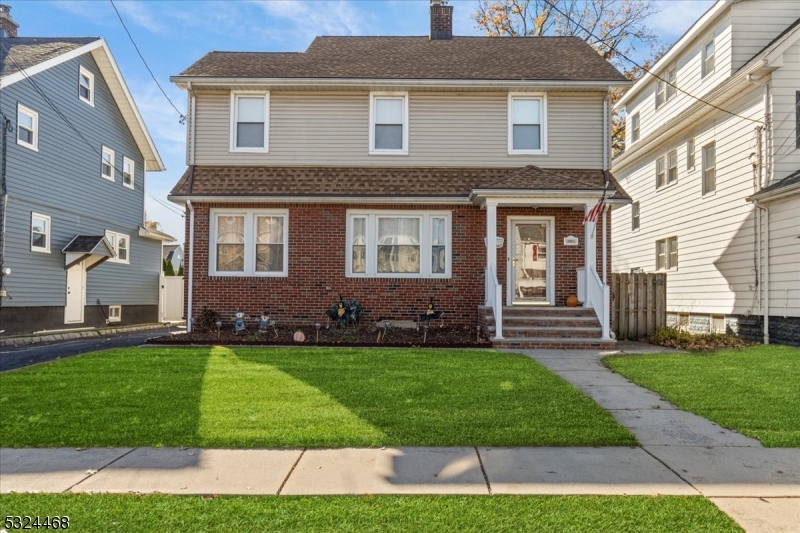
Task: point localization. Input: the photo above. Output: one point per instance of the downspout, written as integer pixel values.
(765, 270)
(606, 135)
(192, 105)
(3, 206)
(191, 267)
(605, 245)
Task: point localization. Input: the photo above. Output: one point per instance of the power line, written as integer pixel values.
(792, 134)
(623, 56)
(166, 205)
(182, 116)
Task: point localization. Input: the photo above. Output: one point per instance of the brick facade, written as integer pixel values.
(317, 250)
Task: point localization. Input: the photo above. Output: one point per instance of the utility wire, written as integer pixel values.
(792, 134)
(623, 56)
(166, 205)
(182, 116)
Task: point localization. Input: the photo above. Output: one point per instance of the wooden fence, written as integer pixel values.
(638, 304)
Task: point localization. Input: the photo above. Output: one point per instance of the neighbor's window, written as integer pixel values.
(527, 124)
(121, 244)
(672, 81)
(398, 244)
(388, 132)
(690, 154)
(661, 93)
(635, 216)
(661, 172)
(86, 86)
(672, 167)
(27, 127)
(114, 313)
(107, 163)
(250, 122)
(708, 58)
(40, 233)
(249, 243)
(635, 132)
(709, 168)
(667, 254)
(127, 172)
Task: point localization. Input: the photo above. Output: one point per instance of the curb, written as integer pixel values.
(103, 332)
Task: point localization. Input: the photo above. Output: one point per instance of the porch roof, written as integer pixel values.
(430, 183)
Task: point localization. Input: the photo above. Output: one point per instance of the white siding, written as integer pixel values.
(756, 23)
(785, 84)
(784, 274)
(445, 129)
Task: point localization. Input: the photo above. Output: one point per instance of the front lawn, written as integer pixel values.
(421, 514)
(755, 390)
(294, 397)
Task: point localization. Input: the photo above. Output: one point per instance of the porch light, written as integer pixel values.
(500, 241)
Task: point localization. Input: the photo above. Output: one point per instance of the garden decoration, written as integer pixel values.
(430, 314)
(264, 322)
(318, 326)
(299, 336)
(344, 312)
(239, 326)
(219, 327)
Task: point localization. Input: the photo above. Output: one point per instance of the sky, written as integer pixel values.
(174, 34)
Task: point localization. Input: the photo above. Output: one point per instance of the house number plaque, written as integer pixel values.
(571, 241)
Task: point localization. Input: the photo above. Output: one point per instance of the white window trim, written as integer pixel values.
(667, 266)
(372, 97)
(111, 317)
(703, 169)
(28, 111)
(234, 119)
(635, 138)
(691, 154)
(107, 150)
(133, 173)
(249, 242)
(673, 152)
(116, 258)
(90, 76)
(542, 97)
(704, 73)
(40, 249)
(638, 217)
(372, 243)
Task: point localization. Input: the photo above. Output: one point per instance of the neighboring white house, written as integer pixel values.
(174, 254)
(715, 183)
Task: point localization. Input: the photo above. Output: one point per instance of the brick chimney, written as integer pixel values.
(8, 28)
(441, 20)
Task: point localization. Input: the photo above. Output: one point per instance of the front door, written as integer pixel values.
(530, 262)
(76, 294)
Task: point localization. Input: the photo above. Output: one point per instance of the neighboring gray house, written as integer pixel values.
(174, 254)
(76, 151)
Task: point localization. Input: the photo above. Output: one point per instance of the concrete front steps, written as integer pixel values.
(546, 327)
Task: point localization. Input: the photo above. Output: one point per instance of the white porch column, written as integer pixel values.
(491, 247)
(590, 252)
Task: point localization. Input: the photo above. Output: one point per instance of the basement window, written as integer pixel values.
(114, 313)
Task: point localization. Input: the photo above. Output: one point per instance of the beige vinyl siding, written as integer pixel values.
(784, 87)
(445, 129)
(715, 232)
(756, 23)
(784, 275)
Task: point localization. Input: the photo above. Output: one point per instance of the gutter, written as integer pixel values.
(191, 267)
(775, 194)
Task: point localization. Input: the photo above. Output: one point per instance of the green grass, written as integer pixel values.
(440, 514)
(268, 397)
(755, 390)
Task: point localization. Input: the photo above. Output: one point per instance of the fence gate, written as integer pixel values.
(638, 303)
(171, 298)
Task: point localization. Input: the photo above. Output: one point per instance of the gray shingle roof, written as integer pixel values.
(473, 58)
(791, 179)
(26, 52)
(408, 182)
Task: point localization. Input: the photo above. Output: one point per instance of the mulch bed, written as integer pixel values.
(438, 337)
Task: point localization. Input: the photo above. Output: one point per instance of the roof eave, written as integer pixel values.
(775, 194)
(327, 199)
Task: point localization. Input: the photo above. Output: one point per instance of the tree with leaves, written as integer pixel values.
(168, 269)
(609, 26)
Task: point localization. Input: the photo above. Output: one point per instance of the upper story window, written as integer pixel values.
(86, 86)
(128, 168)
(708, 58)
(661, 172)
(797, 118)
(388, 131)
(40, 233)
(672, 167)
(667, 254)
(249, 242)
(250, 122)
(27, 127)
(107, 164)
(709, 168)
(527, 127)
(672, 80)
(634, 216)
(690, 154)
(398, 244)
(121, 244)
(635, 131)
(661, 93)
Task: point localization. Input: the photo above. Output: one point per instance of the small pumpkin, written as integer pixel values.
(572, 301)
(299, 336)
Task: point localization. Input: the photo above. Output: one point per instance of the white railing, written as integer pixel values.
(598, 295)
(494, 299)
(581, 285)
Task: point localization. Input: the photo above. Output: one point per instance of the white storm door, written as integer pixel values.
(76, 294)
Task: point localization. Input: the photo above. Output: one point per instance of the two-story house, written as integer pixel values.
(395, 169)
(73, 247)
(712, 163)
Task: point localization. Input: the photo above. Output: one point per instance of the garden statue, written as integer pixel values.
(239, 326)
(431, 313)
(264, 322)
(343, 312)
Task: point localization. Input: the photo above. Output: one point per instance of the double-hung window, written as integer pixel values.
(86, 86)
(249, 122)
(128, 168)
(27, 127)
(661, 93)
(249, 242)
(40, 233)
(661, 172)
(527, 127)
(388, 132)
(121, 244)
(398, 244)
(672, 81)
(634, 216)
(709, 168)
(107, 163)
(667, 254)
(672, 167)
(635, 131)
(708, 58)
(690, 154)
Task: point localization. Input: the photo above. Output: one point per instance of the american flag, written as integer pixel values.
(594, 213)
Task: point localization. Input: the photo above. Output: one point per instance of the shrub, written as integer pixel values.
(676, 338)
(207, 321)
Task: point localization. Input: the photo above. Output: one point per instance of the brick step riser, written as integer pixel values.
(552, 333)
(543, 323)
(533, 313)
(554, 345)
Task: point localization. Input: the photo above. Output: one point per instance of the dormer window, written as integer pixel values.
(527, 132)
(388, 123)
(708, 58)
(250, 122)
(86, 86)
